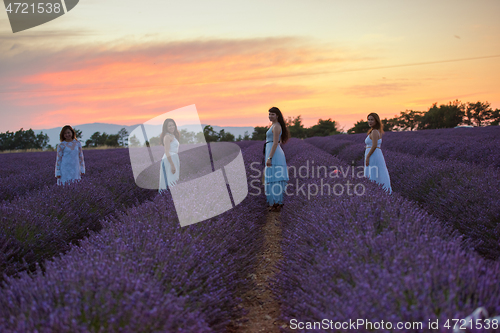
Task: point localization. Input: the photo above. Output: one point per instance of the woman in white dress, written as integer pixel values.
(169, 168)
(375, 167)
(70, 165)
(276, 171)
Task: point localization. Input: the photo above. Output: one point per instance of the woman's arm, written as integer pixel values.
(166, 143)
(375, 137)
(80, 157)
(58, 160)
(276, 138)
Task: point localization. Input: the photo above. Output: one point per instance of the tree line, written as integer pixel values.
(186, 137)
(449, 115)
(99, 139)
(23, 139)
(26, 139)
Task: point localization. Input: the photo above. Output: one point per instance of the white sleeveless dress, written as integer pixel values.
(276, 176)
(377, 169)
(166, 169)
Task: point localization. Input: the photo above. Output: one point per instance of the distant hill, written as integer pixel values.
(89, 129)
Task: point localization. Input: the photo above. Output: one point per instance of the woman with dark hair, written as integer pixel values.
(70, 165)
(375, 167)
(169, 169)
(276, 172)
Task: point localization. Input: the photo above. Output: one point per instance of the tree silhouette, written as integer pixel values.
(360, 127)
(478, 112)
(154, 141)
(390, 125)
(97, 139)
(295, 127)
(495, 117)
(259, 133)
(246, 137)
(23, 139)
(78, 133)
(185, 136)
(210, 134)
(444, 116)
(323, 128)
(223, 136)
(409, 119)
(134, 141)
(94, 140)
(123, 137)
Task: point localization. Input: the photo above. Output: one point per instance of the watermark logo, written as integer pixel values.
(312, 180)
(26, 14)
(205, 180)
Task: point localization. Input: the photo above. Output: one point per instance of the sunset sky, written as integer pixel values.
(125, 62)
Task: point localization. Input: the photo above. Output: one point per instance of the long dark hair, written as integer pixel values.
(284, 135)
(61, 135)
(378, 124)
(164, 130)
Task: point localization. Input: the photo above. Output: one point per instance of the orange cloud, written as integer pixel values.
(378, 90)
(232, 83)
(225, 79)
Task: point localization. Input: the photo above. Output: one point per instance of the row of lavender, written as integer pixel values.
(144, 273)
(461, 194)
(24, 172)
(44, 221)
(373, 256)
(471, 145)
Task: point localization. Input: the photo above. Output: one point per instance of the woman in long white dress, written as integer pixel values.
(70, 165)
(276, 171)
(170, 164)
(375, 167)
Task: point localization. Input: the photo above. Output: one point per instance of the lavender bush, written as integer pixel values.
(331, 144)
(472, 145)
(23, 172)
(454, 191)
(45, 224)
(44, 221)
(17, 163)
(375, 257)
(90, 291)
(143, 272)
(462, 195)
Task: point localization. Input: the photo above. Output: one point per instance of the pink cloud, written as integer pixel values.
(225, 78)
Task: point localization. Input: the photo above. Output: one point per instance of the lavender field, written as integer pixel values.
(102, 255)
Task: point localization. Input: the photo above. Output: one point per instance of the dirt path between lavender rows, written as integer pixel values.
(263, 309)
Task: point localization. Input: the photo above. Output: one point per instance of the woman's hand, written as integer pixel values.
(367, 160)
(58, 177)
(269, 163)
(81, 173)
(172, 167)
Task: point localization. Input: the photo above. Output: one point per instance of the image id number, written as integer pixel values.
(24, 8)
(472, 324)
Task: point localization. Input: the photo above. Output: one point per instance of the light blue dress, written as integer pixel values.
(377, 169)
(166, 169)
(69, 161)
(276, 176)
